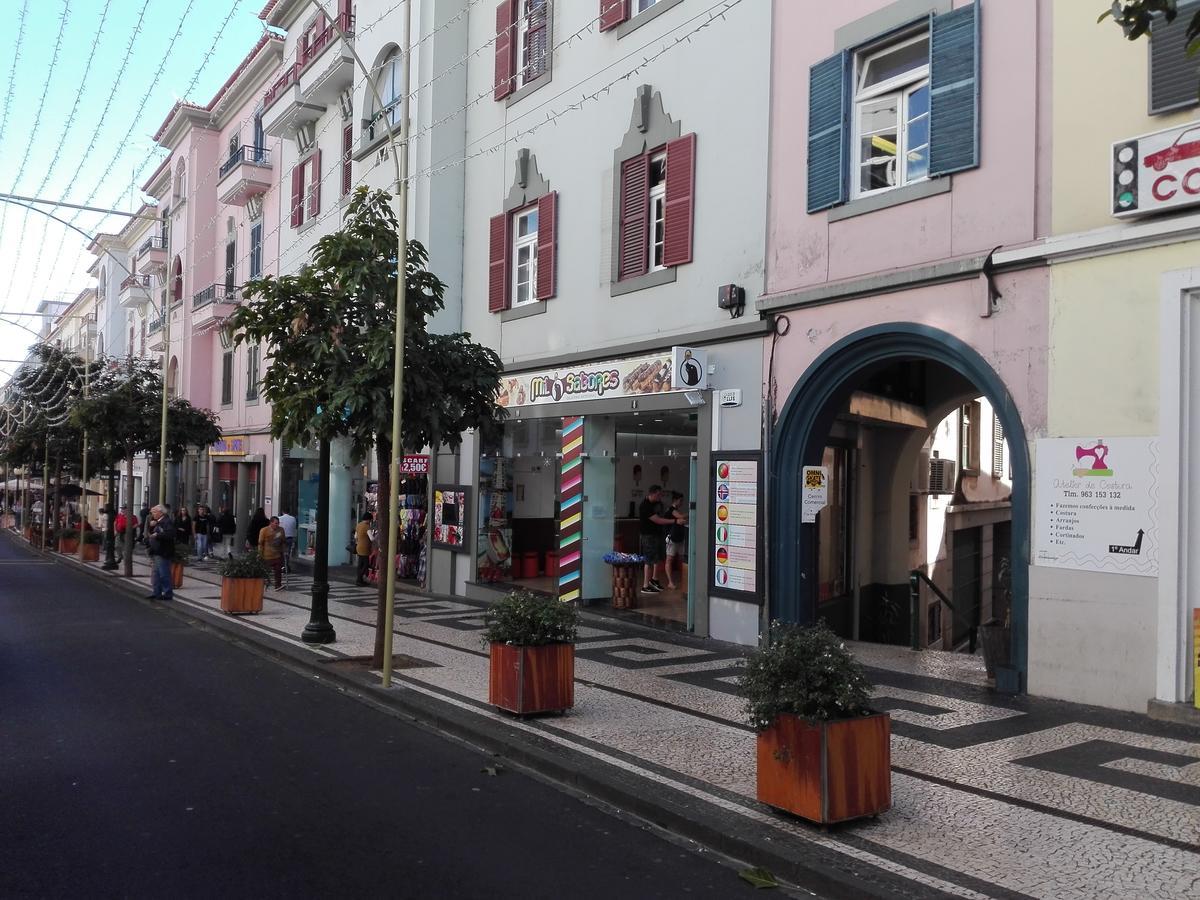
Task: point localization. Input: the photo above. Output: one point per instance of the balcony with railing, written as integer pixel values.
(134, 292)
(245, 174)
(322, 69)
(152, 253)
(211, 306)
(155, 336)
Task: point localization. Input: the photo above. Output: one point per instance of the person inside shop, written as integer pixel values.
(271, 545)
(362, 548)
(258, 522)
(650, 537)
(228, 525)
(288, 523)
(677, 538)
(202, 526)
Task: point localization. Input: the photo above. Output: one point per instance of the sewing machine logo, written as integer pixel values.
(1097, 454)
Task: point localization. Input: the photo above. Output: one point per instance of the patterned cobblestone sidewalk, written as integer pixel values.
(993, 796)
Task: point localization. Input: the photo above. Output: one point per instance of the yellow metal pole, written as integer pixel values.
(83, 491)
(400, 161)
(162, 444)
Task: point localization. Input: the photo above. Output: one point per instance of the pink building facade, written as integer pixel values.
(217, 189)
(922, 139)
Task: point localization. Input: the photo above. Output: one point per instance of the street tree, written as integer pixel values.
(1136, 16)
(123, 415)
(330, 331)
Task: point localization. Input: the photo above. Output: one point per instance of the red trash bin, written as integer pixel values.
(551, 562)
(529, 565)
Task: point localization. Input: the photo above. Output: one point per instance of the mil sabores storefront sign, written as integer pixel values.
(678, 369)
(1156, 172)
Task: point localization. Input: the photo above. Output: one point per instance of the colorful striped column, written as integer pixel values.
(570, 516)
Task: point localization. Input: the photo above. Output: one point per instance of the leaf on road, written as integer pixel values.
(758, 877)
(492, 770)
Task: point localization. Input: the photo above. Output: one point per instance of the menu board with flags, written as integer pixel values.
(737, 548)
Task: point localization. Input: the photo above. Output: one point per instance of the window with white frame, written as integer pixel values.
(658, 206)
(643, 5)
(252, 372)
(256, 250)
(524, 256)
(891, 115)
(532, 41)
(389, 83)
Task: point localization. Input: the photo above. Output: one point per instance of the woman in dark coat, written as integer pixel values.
(257, 523)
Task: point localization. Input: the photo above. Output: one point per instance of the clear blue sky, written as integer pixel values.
(44, 149)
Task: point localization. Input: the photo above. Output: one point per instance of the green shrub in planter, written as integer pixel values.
(249, 566)
(526, 619)
(805, 671)
(68, 534)
(93, 537)
(181, 554)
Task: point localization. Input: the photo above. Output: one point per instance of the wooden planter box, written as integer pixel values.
(68, 545)
(176, 575)
(91, 552)
(525, 680)
(241, 595)
(827, 771)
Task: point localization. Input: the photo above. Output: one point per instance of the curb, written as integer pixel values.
(825, 872)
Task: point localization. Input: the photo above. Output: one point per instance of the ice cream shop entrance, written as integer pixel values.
(596, 509)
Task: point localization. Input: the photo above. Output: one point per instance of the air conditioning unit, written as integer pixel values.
(941, 476)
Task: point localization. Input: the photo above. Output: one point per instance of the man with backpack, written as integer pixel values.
(160, 538)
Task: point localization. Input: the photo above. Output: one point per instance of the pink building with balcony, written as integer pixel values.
(217, 190)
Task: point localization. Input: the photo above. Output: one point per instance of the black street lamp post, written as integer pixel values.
(318, 630)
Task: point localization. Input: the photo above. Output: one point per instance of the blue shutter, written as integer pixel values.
(954, 91)
(827, 132)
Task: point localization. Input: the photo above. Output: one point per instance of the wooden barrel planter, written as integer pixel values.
(68, 546)
(625, 585)
(241, 595)
(176, 574)
(527, 680)
(91, 552)
(827, 771)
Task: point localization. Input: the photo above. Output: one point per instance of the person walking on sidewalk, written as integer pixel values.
(271, 545)
(651, 541)
(228, 525)
(160, 537)
(201, 526)
(362, 548)
(140, 536)
(288, 523)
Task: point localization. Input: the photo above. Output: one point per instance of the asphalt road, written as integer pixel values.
(143, 757)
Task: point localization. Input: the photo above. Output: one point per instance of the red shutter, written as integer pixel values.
(635, 213)
(500, 231)
(539, 44)
(613, 13)
(314, 195)
(678, 214)
(347, 150)
(506, 50)
(547, 273)
(298, 195)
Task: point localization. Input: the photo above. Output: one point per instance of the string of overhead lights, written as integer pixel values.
(12, 72)
(37, 116)
(58, 145)
(159, 72)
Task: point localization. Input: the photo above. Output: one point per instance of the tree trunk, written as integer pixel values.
(110, 558)
(128, 536)
(383, 460)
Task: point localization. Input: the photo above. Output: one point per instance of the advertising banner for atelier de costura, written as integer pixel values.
(1096, 505)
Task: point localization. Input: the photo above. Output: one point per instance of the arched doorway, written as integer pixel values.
(950, 370)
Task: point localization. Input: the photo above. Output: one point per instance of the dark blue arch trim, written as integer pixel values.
(799, 440)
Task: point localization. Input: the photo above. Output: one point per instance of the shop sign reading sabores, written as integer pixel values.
(653, 374)
(1156, 172)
